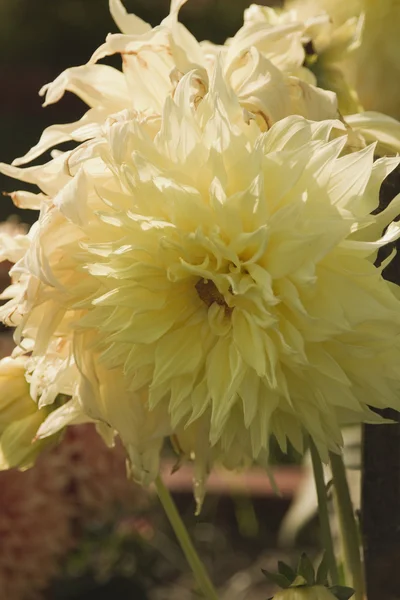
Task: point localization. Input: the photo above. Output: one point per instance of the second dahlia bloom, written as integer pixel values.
(325, 46)
(374, 69)
(20, 417)
(214, 282)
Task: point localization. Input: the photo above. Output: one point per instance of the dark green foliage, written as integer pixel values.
(277, 578)
(306, 569)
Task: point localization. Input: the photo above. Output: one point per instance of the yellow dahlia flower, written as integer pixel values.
(20, 418)
(208, 280)
(31, 382)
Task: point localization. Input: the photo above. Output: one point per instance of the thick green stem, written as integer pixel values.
(186, 544)
(348, 526)
(323, 513)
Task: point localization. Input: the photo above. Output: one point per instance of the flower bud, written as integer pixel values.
(316, 592)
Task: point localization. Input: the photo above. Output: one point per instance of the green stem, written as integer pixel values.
(186, 544)
(323, 513)
(348, 526)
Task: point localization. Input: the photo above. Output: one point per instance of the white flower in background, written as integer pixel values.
(325, 46)
(31, 384)
(339, 10)
(206, 280)
(20, 418)
(339, 48)
(374, 68)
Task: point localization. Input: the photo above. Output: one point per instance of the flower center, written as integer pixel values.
(208, 292)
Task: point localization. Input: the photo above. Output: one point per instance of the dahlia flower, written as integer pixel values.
(30, 384)
(204, 279)
(20, 417)
(199, 271)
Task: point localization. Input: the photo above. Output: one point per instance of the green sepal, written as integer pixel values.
(299, 582)
(306, 569)
(286, 571)
(341, 592)
(323, 571)
(277, 578)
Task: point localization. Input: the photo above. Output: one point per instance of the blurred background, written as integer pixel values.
(74, 512)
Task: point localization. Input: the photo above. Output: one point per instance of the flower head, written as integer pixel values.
(215, 282)
(196, 273)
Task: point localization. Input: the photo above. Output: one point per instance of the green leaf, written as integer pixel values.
(323, 571)
(287, 571)
(277, 578)
(341, 592)
(306, 569)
